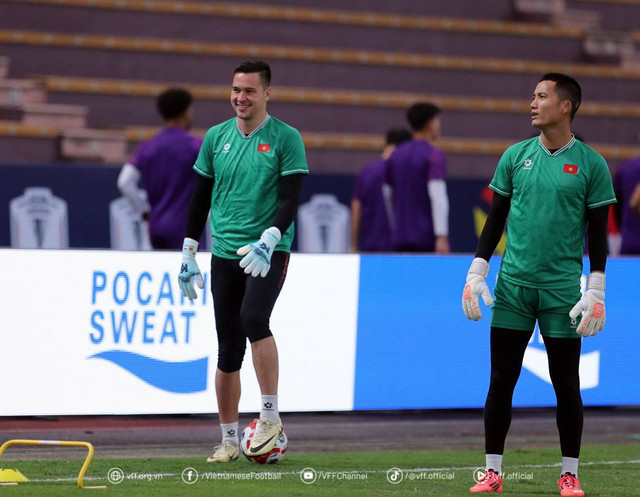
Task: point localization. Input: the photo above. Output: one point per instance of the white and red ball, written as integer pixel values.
(271, 457)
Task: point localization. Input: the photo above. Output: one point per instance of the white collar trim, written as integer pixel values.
(262, 125)
(567, 146)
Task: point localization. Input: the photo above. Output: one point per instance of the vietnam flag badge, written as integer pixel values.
(264, 147)
(570, 169)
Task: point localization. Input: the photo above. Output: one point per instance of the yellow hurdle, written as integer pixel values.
(59, 443)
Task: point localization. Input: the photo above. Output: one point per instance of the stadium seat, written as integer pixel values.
(364, 63)
(19, 92)
(4, 67)
(44, 114)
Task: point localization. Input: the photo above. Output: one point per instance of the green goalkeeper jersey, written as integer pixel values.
(550, 194)
(246, 171)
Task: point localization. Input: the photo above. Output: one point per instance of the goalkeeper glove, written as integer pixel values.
(257, 255)
(189, 270)
(476, 286)
(592, 304)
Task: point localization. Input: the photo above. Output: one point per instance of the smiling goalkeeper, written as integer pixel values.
(250, 176)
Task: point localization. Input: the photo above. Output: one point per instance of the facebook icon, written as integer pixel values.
(189, 476)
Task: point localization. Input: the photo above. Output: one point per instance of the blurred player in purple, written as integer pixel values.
(627, 182)
(164, 166)
(416, 175)
(370, 210)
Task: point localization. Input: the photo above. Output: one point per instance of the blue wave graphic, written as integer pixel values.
(175, 377)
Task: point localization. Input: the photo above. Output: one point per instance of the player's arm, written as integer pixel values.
(198, 212)
(257, 255)
(387, 191)
(293, 167)
(617, 207)
(592, 302)
(598, 219)
(494, 226)
(599, 195)
(489, 239)
(199, 207)
(128, 180)
(356, 216)
(290, 190)
(437, 189)
(634, 202)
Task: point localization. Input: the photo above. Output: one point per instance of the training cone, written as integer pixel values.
(12, 476)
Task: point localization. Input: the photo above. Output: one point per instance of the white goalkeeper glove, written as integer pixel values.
(189, 270)
(257, 255)
(475, 287)
(592, 304)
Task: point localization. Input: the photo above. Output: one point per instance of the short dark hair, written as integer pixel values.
(253, 66)
(420, 114)
(173, 103)
(397, 136)
(567, 88)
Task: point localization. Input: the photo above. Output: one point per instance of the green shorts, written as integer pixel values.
(517, 308)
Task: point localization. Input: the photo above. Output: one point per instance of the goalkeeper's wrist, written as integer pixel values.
(189, 247)
(479, 266)
(271, 236)
(596, 281)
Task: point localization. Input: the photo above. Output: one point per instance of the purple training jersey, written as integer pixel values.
(624, 183)
(410, 168)
(375, 233)
(166, 165)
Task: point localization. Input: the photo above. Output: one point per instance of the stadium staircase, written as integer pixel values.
(89, 72)
(32, 130)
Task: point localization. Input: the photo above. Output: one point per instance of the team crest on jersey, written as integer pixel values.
(528, 163)
(226, 147)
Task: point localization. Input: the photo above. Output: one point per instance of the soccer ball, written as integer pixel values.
(271, 457)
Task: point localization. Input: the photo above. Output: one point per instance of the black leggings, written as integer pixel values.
(507, 353)
(242, 305)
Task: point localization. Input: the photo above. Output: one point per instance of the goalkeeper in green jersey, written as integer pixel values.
(250, 170)
(554, 189)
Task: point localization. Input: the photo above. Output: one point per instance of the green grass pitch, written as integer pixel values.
(606, 471)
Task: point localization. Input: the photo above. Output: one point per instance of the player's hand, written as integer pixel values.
(257, 255)
(592, 304)
(189, 270)
(475, 287)
(442, 245)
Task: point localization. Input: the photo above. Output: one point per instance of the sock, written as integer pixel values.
(494, 462)
(270, 408)
(229, 432)
(570, 465)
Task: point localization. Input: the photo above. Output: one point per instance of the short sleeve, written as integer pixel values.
(204, 162)
(293, 159)
(502, 179)
(600, 187)
(438, 166)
